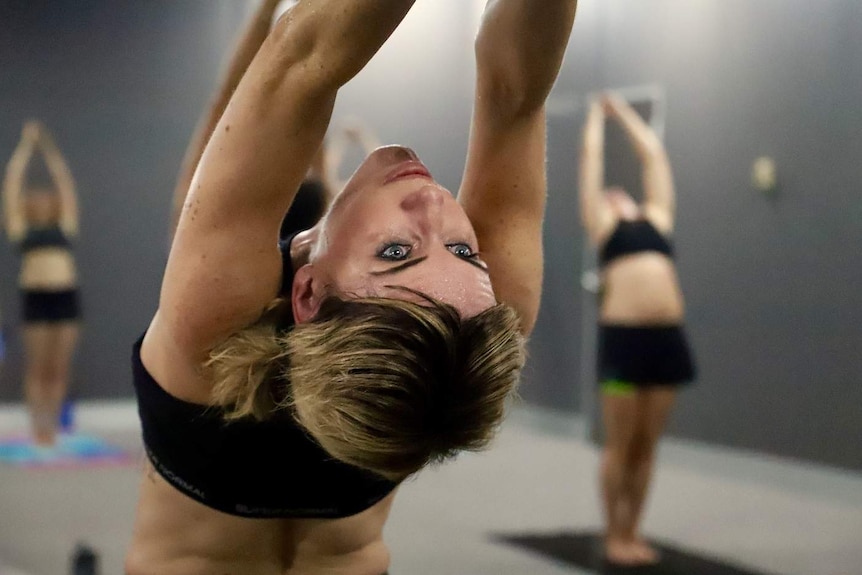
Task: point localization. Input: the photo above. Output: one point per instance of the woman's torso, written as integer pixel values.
(640, 288)
(175, 535)
(47, 262)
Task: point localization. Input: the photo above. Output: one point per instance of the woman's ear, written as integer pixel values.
(307, 294)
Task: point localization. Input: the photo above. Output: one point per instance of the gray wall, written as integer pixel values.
(771, 283)
(120, 84)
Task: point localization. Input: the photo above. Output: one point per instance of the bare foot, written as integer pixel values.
(630, 553)
(622, 552)
(44, 429)
(43, 438)
(647, 554)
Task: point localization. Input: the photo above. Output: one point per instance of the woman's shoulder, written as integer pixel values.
(659, 218)
(603, 233)
(175, 371)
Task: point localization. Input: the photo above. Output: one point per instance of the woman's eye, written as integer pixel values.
(461, 250)
(395, 252)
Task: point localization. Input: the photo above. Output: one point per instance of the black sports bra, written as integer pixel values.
(633, 236)
(307, 208)
(49, 237)
(262, 469)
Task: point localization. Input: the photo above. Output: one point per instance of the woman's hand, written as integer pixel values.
(45, 140)
(611, 103)
(31, 132)
(644, 139)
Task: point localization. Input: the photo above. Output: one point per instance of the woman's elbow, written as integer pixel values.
(302, 47)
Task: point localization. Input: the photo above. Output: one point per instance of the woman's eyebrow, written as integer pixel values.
(482, 267)
(400, 267)
(417, 261)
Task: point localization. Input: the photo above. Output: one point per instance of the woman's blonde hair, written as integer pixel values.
(383, 384)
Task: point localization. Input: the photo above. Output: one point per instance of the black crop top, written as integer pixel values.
(633, 236)
(49, 237)
(307, 208)
(262, 469)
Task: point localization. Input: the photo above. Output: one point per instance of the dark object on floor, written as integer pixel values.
(85, 561)
(584, 550)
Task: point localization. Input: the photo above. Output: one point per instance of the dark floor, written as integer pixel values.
(584, 550)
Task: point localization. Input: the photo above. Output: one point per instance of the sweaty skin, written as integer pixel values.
(642, 289)
(175, 535)
(226, 239)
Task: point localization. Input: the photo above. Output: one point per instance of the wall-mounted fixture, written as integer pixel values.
(764, 174)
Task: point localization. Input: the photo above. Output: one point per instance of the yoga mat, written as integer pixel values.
(584, 550)
(70, 451)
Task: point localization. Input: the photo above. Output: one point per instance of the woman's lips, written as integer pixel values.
(409, 169)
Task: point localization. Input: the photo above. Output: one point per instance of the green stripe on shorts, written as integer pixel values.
(617, 387)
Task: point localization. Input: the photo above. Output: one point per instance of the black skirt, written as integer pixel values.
(41, 306)
(644, 355)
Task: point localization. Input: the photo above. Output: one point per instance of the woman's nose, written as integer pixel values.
(427, 204)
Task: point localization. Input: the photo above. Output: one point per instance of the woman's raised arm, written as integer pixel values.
(519, 51)
(595, 215)
(63, 181)
(656, 173)
(254, 35)
(13, 182)
(224, 266)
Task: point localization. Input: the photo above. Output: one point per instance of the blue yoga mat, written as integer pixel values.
(70, 451)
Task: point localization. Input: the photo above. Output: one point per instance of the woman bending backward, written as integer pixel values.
(286, 391)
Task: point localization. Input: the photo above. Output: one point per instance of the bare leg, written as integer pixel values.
(64, 338)
(49, 349)
(43, 414)
(654, 407)
(619, 412)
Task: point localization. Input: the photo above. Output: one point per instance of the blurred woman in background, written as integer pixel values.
(643, 351)
(43, 222)
(285, 394)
